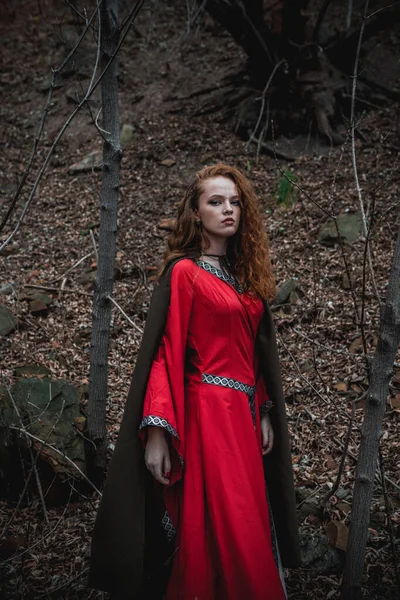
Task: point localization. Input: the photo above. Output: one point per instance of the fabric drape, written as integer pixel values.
(129, 540)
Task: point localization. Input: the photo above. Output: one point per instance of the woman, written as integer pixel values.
(206, 399)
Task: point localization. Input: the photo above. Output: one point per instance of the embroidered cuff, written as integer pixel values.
(265, 408)
(158, 422)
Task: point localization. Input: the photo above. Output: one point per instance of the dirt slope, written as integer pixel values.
(164, 70)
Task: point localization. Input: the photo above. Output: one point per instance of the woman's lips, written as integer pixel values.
(229, 221)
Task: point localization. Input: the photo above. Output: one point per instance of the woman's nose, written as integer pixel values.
(228, 208)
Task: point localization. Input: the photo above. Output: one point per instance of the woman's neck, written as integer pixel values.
(216, 247)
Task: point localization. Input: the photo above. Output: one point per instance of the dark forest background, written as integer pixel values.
(291, 94)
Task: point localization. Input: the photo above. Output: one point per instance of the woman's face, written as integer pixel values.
(219, 207)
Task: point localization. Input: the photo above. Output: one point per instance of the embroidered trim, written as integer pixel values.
(265, 408)
(168, 526)
(158, 422)
(228, 382)
(220, 274)
(274, 542)
(161, 422)
(234, 384)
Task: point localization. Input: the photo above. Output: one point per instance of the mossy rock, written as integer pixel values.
(48, 410)
(32, 295)
(31, 371)
(350, 227)
(284, 292)
(8, 321)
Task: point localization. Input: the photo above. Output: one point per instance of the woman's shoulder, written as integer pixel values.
(182, 271)
(183, 266)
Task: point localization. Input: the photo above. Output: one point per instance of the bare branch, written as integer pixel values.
(94, 246)
(125, 315)
(380, 10)
(354, 158)
(133, 14)
(78, 262)
(54, 289)
(263, 97)
(344, 454)
(27, 171)
(57, 451)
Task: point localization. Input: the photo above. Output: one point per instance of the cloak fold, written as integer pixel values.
(130, 551)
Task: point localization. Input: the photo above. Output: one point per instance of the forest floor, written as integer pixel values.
(165, 70)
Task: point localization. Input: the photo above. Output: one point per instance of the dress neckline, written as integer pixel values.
(220, 274)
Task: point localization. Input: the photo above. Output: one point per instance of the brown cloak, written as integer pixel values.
(129, 547)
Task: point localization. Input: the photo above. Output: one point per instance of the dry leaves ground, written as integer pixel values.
(162, 67)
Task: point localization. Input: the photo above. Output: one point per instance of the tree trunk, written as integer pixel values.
(294, 19)
(101, 315)
(244, 19)
(381, 372)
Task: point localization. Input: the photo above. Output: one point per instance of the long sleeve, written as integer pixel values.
(164, 398)
(264, 402)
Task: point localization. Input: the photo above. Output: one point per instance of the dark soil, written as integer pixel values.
(169, 71)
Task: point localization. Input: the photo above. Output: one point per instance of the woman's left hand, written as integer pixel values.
(267, 434)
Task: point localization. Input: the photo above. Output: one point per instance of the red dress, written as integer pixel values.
(203, 390)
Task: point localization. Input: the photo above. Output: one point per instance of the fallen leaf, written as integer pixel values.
(395, 402)
(341, 386)
(331, 464)
(168, 162)
(338, 534)
(355, 344)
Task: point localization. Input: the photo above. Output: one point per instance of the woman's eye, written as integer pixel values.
(236, 202)
(214, 202)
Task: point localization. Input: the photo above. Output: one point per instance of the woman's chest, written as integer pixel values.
(218, 307)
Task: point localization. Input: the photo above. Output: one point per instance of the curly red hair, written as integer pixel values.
(248, 248)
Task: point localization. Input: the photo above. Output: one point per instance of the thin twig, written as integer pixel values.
(98, 54)
(354, 457)
(353, 152)
(324, 400)
(330, 349)
(193, 13)
(17, 556)
(78, 262)
(57, 451)
(63, 585)
(313, 493)
(314, 323)
(263, 97)
(39, 487)
(125, 315)
(76, 11)
(94, 246)
(382, 9)
(344, 454)
(131, 18)
(256, 32)
(320, 18)
(35, 459)
(54, 289)
(27, 171)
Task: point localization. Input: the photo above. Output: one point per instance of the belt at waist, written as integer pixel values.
(234, 384)
(228, 382)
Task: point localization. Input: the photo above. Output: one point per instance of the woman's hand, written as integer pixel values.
(267, 434)
(157, 456)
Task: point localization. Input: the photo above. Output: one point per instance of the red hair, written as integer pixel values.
(248, 248)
